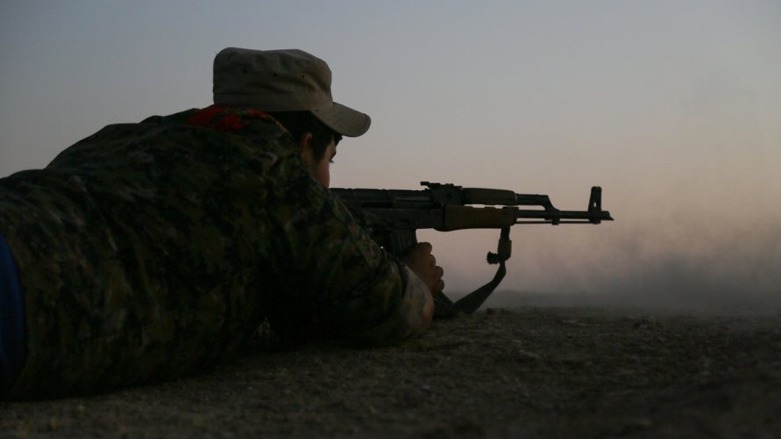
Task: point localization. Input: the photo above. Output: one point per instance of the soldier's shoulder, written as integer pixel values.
(171, 119)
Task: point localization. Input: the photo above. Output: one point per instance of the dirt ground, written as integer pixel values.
(523, 372)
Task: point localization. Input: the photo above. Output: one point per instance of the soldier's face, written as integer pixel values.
(320, 170)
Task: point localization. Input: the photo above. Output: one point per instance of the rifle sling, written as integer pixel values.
(444, 308)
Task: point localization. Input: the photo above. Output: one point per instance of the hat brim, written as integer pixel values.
(344, 120)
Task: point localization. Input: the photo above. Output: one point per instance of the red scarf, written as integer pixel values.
(228, 118)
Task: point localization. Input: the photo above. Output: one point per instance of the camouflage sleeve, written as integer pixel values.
(361, 292)
(407, 320)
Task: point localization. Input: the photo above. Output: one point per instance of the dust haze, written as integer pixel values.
(684, 266)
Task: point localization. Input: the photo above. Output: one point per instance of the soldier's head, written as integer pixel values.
(295, 87)
(317, 141)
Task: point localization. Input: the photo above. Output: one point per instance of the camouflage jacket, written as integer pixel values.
(148, 251)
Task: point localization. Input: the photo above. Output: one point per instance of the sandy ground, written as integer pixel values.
(523, 372)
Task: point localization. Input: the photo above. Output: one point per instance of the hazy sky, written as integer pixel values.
(673, 107)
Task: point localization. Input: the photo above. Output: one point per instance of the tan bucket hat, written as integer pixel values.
(283, 80)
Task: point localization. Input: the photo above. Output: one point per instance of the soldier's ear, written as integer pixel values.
(307, 151)
(305, 141)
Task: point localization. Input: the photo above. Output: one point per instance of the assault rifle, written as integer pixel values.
(395, 215)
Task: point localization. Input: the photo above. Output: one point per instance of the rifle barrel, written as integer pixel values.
(561, 216)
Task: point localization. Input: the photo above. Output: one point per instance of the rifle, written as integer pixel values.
(394, 215)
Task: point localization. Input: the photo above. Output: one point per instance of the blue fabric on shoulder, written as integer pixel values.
(12, 331)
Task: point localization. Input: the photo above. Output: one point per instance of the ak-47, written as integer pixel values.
(395, 215)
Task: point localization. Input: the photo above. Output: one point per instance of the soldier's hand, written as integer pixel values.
(424, 264)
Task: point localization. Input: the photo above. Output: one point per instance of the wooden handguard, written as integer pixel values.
(467, 217)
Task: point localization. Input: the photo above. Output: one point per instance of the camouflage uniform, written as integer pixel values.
(148, 251)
